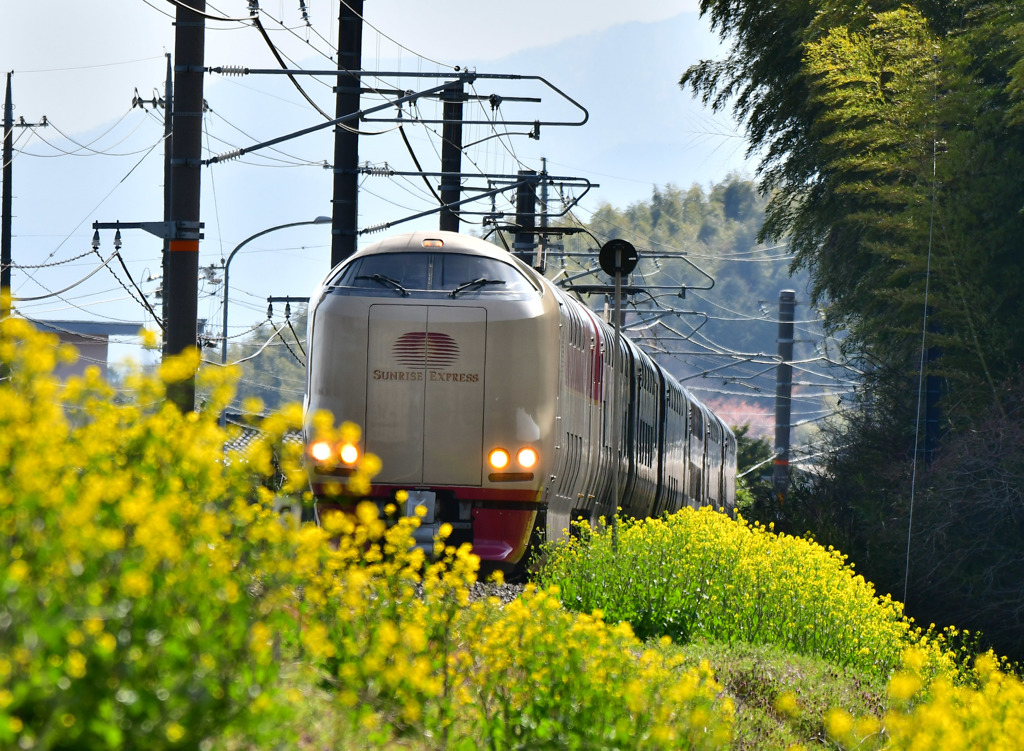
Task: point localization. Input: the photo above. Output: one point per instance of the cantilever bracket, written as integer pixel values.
(179, 230)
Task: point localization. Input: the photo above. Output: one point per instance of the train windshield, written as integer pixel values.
(453, 275)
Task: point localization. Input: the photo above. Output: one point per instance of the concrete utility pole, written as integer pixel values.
(451, 154)
(6, 208)
(345, 218)
(168, 186)
(181, 279)
(526, 217)
(783, 394)
(166, 103)
(5, 240)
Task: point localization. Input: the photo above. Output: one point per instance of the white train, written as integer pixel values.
(487, 393)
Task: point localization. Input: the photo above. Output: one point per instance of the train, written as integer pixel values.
(495, 400)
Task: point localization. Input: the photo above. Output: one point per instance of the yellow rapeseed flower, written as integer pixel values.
(903, 686)
(17, 571)
(75, 664)
(174, 732)
(838, 723)
(786, 703)
(136, 584)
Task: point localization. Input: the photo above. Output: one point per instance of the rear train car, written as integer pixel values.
(492, 398)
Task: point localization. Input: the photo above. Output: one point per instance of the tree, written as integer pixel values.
(967, 546)
(893, 158)
(272, 362)
(888, 147)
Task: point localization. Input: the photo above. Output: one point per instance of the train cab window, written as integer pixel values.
(455, 275)
(466, 276)
(387, 274)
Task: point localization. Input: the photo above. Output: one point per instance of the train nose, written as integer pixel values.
(425, 392)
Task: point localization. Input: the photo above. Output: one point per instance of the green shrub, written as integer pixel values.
(702, 574)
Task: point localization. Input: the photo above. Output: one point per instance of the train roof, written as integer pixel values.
(450, 242)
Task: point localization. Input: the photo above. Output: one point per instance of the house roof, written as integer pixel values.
(87, 328)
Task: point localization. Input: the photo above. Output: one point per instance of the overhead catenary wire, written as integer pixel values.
(104, 199)
(284, 66)
(255, 354)
(87, 148)
(298, 359)
(142, 296)
(70, 286)
(204, 14)
(395, 42)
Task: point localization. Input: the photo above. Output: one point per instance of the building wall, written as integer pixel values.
(92, 350)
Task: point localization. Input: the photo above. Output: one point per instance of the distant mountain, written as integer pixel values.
(643, 129)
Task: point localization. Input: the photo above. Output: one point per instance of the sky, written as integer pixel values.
(77, 70)
(80, 64)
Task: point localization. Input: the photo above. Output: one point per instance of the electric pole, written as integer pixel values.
(6, 208)
(166, 103)
(451, 154)
(168, 186)
(526, 217)
(783, 394)
(5, 241)
(181, 278)
(346, 138)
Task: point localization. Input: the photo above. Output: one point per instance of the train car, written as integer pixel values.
(494, 399)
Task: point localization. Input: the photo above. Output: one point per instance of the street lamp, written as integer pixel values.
(224, 343)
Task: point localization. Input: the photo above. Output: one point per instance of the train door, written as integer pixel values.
(425, 391)
(714, 464)
(696, 455)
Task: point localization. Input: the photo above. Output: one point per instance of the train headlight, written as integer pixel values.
(498, 458)
(527, 457)
(349, 454)
(321, 451)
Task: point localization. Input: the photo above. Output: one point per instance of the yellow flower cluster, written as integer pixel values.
(407, 654)
(151, 590)
(938, 714)
(542, 675)
(130, 560)
(701, 573)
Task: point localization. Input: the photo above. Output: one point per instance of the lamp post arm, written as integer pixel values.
(227, 264)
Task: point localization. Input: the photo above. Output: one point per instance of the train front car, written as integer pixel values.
(444, 349)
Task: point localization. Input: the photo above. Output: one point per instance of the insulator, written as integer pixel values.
(232, 70)
(377, 228)
(228, 156)
(385, 171)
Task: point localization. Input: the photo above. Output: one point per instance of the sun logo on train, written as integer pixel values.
(418, 349)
